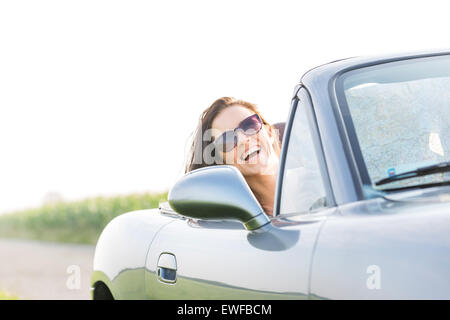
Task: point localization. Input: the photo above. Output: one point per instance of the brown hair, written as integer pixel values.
(195, 156)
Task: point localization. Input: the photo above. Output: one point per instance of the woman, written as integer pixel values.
(233, 132)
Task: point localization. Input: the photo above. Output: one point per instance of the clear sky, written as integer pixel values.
(100, 97)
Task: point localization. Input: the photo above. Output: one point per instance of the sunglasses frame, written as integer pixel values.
(235, 137)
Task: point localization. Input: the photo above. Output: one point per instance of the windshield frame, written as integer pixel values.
(337, 95)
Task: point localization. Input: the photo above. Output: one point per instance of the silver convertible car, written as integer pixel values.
(362, 203)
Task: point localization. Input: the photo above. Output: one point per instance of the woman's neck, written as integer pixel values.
(263, 187)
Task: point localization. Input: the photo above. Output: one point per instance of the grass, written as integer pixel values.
(73, 222)
(7, 296)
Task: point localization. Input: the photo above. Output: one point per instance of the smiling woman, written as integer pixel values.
(233, 132)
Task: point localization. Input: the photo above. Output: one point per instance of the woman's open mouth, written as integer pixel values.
(251, 153)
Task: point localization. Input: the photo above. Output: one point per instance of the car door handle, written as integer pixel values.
(167, 268)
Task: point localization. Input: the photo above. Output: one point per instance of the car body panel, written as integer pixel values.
(405, 240)
(121, 251)
(222, 260)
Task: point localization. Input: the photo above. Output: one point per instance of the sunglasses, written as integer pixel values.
(228, 140)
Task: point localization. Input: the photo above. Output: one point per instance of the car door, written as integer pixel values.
(222, 260)
(199, 259)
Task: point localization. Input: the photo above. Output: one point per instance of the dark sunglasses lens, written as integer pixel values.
(251, 125)
(227, 141)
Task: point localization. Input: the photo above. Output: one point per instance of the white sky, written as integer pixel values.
(99, 97)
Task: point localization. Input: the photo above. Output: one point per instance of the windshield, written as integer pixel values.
(400, 115)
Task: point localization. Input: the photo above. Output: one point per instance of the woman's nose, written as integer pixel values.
(246, 139)
(242, 137)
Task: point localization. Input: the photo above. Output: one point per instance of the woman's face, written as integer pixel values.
(253, 154)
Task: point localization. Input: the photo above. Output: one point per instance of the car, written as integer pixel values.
(362, 203)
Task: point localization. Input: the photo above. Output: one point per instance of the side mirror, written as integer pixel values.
(217, 193)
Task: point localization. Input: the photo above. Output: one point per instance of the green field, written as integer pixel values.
(7, 296)
(75, 222)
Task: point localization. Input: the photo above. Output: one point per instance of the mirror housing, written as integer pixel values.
(217, 193)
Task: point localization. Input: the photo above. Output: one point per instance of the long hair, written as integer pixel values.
(195, 159)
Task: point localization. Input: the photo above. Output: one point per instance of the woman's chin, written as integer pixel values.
(258, 168)
(254, 166)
